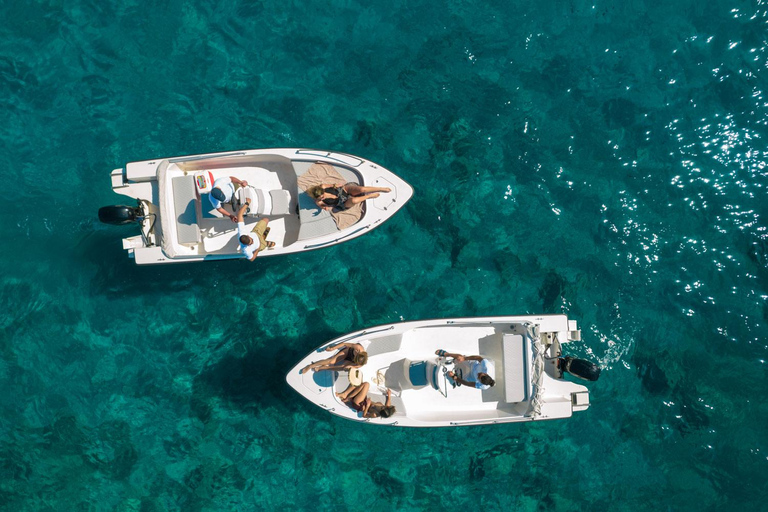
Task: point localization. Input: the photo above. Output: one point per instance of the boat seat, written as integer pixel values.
(265, 202)
(420, 373)
(185, 206)
(515, 363)
(417, 373)
(406, 374)
(314, 221)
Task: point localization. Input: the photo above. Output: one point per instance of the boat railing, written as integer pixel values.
(345, 159)
(204, 157)
(353, 336)
(474, 422)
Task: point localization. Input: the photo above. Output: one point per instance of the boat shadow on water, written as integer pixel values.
(248, 383)
(122, 278)
(251, 380)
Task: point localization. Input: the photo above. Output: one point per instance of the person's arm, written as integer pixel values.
(461, 381)
(367, 412)
(389, 398)
(238, 181)
(241, 212)
(465, 382)
(457, 357)
(320, 204)
(225, 213)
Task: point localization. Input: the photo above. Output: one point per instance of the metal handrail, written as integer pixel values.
(353, 336)
(204, 157)
(327, 154)
(474, 422)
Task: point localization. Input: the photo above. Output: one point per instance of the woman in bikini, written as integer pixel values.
(343, 197)
(356, 397)
(350, 355)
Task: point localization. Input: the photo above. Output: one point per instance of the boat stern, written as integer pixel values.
(580, 400)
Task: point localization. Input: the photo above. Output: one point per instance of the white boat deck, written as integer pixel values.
(180, 224)
(432, 401)
(221, 233)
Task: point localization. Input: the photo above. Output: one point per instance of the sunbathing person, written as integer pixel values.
(481, 370)
(356, 397)
(350, 355)
(342, 197)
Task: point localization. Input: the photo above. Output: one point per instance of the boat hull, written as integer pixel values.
(179, 224)
(523, 349)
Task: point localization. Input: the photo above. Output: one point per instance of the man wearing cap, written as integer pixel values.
(222, 192)
(479, 371)
(251, 244)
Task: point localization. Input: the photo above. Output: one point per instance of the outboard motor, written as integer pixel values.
(579, 368)
(119, 214)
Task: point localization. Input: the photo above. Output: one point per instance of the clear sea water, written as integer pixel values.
(602, 159)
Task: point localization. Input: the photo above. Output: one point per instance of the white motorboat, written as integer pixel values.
(525, 351)
(178, 222)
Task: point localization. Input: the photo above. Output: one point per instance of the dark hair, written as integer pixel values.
(244, 239)
(361, 358)
(487, 380)
(386, 412)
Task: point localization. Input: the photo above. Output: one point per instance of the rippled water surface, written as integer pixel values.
(606, 160)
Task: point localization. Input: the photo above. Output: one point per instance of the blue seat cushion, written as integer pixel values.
(417, 373)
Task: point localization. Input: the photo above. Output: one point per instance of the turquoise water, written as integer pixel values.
(605, 160)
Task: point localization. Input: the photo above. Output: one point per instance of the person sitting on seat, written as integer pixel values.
(480, 374)
(344, 197)
(356, 397)
(248, 245)
(350, 355)
(222, 192)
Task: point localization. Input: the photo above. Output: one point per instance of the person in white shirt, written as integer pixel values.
(481, 370)
(248, 241)
(222, 192)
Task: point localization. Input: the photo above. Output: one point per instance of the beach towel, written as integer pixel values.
(321, 173)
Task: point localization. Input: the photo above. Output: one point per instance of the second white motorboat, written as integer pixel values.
(525, 351)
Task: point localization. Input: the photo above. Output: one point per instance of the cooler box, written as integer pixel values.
(203, 182)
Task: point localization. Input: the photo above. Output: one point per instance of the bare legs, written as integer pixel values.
(357, 190)
(354, 394)
(331, 361)
(359, 194)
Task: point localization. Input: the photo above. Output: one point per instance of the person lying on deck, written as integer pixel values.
(350, 355)
(248, 245)
(356, 397)
(222, 192)
(481, 370)
(328, 197)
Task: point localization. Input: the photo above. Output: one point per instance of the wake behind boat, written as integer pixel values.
(178, 222)
(524, 351)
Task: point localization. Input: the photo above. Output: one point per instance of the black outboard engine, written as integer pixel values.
(119, 215)
(579, 368)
